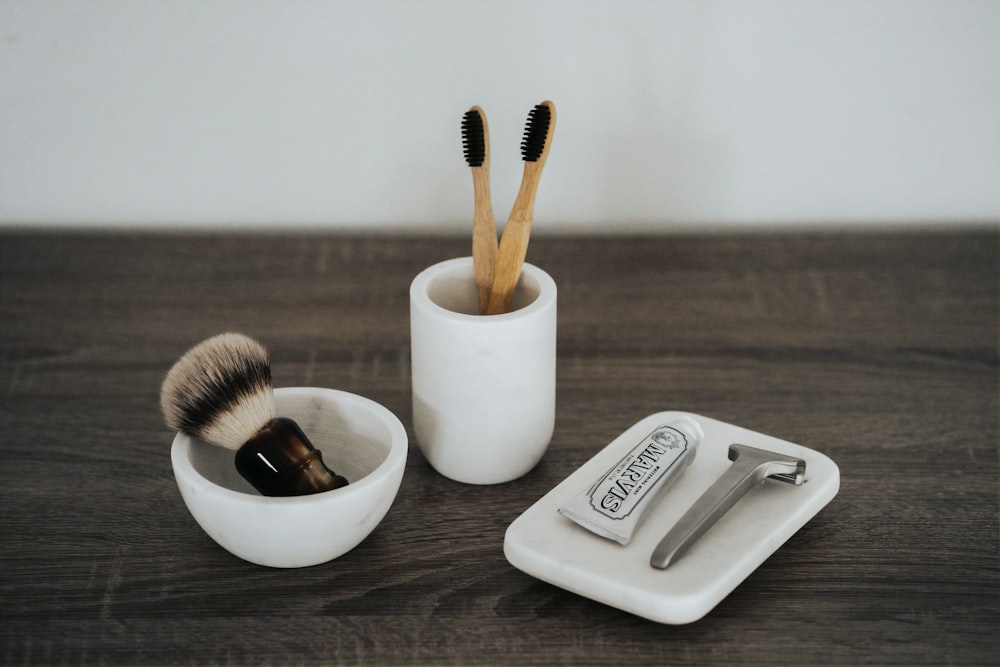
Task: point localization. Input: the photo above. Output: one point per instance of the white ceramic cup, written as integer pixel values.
(484, 386)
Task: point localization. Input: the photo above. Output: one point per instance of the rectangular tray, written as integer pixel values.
(544, 544)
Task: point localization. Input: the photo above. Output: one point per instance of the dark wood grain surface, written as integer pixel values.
(878, 349)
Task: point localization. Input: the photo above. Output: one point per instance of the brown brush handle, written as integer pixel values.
(280, 461)
(484, 235)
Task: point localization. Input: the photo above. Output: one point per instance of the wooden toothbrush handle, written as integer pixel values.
(484, 237)
(514, 242)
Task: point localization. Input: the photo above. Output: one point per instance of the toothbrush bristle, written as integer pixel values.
(535, 132)
(473, 138)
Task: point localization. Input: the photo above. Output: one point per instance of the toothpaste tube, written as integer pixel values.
(617, 502)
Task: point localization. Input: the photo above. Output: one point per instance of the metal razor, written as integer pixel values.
(750, 467)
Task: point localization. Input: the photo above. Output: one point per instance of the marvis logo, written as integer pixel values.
(619, 492)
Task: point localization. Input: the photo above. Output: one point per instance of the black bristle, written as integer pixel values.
(535, 131)
(473, 138)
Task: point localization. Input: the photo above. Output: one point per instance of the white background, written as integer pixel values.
(671, 113)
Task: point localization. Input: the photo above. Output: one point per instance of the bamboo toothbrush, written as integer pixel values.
(476, 146)
(514, 242)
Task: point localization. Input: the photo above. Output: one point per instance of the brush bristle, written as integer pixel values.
(473, 138)
(536, 130)
(220, 391)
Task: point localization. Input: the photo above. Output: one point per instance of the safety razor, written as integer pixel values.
(750, 467)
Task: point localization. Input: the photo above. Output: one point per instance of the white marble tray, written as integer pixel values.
(547, 545)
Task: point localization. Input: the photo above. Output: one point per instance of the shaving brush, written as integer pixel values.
(220, 392)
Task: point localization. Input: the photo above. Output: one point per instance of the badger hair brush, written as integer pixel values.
(476, 146)
(220, 392)
(514, 243)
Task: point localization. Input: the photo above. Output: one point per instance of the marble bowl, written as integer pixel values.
(358, 438)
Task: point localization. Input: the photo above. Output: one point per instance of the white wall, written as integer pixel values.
(672, 113)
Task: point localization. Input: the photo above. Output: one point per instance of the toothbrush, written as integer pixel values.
(476, 146)
(514, 243)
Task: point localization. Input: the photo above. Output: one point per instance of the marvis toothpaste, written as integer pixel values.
(617, 503)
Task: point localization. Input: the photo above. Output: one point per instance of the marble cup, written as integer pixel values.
(484, 387)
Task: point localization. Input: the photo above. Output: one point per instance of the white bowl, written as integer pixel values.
(358, 438)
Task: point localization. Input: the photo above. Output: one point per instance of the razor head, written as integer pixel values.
(474, 137)
(777, 466)
(536, 132)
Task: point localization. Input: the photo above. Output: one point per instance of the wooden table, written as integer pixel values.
(877, 349)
